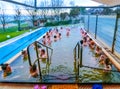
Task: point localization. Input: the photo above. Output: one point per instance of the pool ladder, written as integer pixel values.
(36, 43)
(78, 50)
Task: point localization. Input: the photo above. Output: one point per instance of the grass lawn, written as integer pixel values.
(3, 36)
(12, 31)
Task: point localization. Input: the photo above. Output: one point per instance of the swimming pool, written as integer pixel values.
(61, 69)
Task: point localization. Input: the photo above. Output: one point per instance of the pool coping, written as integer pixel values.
(19, 54)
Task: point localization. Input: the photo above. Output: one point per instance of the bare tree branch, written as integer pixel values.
(17, 16)
(57, 3)
(3, 18)
(31, 11)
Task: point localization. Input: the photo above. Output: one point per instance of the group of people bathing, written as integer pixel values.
(102, 58)
(54, 35)
(51, 35)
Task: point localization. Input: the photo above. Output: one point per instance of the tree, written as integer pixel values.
(74, 12)
(117, 10)
(17, 17)
(57, 3)
(31, 11)
(44, 11)
(63, 15)
(107, 11)
(3, 18)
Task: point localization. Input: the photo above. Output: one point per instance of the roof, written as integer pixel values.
(108, 2)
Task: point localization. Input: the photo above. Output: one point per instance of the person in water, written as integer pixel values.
(43, 54)
(6, 69)
(44, 40)
(59, 37)
(50, 32)
(82, 32)
(49, 41)
(107, 65)
(85, 34)
(25, 55)
(91, 44)
(81, 42)
(84, 41)
(67, 32)
(33, 71)
(102, 59)
(98, 51)
(55, 38)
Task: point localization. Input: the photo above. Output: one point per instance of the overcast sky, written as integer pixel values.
(9, 6)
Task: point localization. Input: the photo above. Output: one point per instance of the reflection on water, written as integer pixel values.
(62, 67)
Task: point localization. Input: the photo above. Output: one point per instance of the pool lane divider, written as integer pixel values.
(19, 53)
(112, 59)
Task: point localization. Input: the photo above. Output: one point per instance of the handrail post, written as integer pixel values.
(51, 55)
(29, 59)
(37, 53)
(75, 54)
(81, 52)
(78, 50)
(78, 57)
(47, 54)
(78, 69)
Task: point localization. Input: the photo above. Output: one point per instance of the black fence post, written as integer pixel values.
(115, 32)
(96, 26)
(88, 22)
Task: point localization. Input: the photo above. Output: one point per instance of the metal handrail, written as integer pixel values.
(47, 50)
(44, 45)
(47, 64)
(77, 45)
(78, 60)
(37, 53)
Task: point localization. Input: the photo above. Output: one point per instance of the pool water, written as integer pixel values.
(61, 69)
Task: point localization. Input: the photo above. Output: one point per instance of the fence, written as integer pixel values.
(105, 28)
